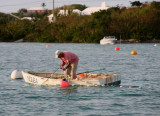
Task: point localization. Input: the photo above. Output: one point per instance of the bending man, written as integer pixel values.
(70, 60)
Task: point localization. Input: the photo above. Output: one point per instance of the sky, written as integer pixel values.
(10, 6)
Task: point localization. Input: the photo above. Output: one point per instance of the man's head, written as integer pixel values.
(58, 53)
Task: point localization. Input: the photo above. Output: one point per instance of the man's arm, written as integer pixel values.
(61, 66)
(68, 65)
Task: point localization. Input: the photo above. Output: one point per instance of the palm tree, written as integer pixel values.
(43, 5)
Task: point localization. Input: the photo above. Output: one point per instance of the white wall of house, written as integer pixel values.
(77, 11)
(63, 12)
(50, 18)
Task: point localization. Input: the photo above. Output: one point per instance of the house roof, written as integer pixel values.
(90, 10)
(36, 8)
(29, 18)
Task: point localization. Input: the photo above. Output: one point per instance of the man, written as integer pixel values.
(70, 60)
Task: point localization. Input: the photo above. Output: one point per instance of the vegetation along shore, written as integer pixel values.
(139, 23)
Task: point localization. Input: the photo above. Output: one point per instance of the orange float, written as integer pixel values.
(82, 75)
(134, 52)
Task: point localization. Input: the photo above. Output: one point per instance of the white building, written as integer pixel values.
(90, 10)
(77, 11)
(50, 18)
(87, 11)
(27, 18)
(63, 12)
(36, 9)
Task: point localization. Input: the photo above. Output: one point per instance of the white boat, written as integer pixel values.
(155, 45)
(108, 40)
(54, 79)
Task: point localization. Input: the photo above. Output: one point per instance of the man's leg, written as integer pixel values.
(68, 71)
(74, 70)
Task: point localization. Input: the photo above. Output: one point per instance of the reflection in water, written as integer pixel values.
(68, 90)
(67, 94)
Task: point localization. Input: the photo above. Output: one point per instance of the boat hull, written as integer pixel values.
(104, 42)
(36, 79)
(108, 40)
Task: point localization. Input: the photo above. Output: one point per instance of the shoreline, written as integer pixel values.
(136, 41)
(129, 41)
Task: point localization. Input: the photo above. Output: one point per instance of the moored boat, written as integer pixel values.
(54, 79)
(108, 40)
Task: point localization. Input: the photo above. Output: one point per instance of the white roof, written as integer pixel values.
(90, 10)
(36, 8)
(28, 18)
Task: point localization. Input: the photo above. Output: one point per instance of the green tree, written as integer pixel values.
(22, 10)
(79, 6)
(136, 3)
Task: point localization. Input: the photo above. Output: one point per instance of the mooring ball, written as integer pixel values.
(134, 52)
(47, 46)
(117, 48)
(64, 83)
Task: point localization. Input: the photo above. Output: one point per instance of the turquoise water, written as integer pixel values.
(138, 95)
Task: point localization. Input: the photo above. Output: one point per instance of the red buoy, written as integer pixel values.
(47, 46)
(64, 83)
(117, 48)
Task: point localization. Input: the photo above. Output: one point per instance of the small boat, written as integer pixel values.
(108, 40)
(54, 79)
(155, 45)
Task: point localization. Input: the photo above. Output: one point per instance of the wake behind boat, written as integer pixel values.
(54, 79)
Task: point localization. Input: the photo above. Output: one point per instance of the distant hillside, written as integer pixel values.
(137, 23)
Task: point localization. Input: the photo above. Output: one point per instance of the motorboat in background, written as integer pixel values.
(108, 40)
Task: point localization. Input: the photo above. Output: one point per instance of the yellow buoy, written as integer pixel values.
(134, 52)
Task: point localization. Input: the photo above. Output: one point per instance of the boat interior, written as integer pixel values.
(48, 74)
(80, 76)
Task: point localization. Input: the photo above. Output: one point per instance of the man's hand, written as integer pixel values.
(61, 67)
(64, 69)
